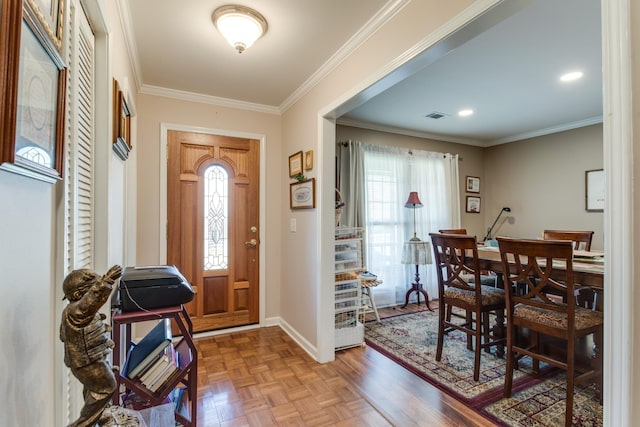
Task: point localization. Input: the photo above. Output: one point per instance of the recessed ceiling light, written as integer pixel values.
(569, 77)
(465, 112)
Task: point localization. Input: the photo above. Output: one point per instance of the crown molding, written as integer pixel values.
(207, 99)
(357, 40)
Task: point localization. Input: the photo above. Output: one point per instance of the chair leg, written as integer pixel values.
(441, 317)
(372, 303)
(469, 323)
(499, 332)
(478, 345)
(535, 365)
(508, 374)
(570, 383)
(596, 362)
(485, 331)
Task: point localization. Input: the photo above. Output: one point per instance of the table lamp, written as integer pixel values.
(489, 235)
(413, 202)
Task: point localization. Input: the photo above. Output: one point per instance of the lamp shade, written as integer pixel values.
(416, 253)
(239, 25)
(413, 201)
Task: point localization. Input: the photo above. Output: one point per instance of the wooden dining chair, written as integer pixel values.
(457, 288)
(453, 231)
(531, 261)
(486, 278)
(581, 239)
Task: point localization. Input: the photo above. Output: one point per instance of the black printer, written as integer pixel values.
(149, 287)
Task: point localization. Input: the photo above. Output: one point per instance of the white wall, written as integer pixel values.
(306, 301)
(31, 266)
(29, 325)
(631, 334)
(542, 180)
(157, 110)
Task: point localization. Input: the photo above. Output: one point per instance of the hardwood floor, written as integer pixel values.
(263, 378)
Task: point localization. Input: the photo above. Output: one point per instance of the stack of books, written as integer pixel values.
(154, 359)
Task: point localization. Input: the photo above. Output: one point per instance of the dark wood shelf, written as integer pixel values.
(186, 373)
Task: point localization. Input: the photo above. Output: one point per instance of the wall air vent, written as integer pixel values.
(436, 115)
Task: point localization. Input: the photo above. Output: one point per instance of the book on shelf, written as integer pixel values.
(133, 401)
(164, 375)
(150, 348)
(156, 367)
(182, 406)
(176, 396)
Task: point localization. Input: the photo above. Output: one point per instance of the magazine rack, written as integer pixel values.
(186, 374)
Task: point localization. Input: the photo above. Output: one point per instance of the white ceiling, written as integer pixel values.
(505, 65)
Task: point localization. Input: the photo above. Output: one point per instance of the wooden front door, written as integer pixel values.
(212, 234)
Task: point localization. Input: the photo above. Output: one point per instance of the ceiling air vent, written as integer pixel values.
(436, 115)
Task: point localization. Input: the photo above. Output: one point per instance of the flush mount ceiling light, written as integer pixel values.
(239, 25)
(465, 113)
(569, 77)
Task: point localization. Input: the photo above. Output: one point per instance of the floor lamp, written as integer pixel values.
(416, 252)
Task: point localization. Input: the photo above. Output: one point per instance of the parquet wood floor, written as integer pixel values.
(262, 377)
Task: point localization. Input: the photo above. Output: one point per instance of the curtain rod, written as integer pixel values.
(346, 143)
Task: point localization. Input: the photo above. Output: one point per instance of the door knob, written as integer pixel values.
(251, 243)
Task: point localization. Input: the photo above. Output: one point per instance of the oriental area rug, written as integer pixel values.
(410, 340)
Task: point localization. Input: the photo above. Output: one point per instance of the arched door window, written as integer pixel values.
(216, 218)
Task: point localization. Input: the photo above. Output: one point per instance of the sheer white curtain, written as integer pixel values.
(389, 175)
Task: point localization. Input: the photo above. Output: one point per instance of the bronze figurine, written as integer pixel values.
(87, 342)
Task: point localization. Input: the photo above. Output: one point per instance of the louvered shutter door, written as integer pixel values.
(80, 190)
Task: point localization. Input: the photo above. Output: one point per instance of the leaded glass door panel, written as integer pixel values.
(212, 234)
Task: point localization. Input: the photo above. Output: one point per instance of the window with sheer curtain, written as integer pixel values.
(388, 175)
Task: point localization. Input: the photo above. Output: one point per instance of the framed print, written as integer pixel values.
(473, 184)
(308, 160)
(50, 15)
(594, 190)
(302, 194)
(295, 164)
(33, 114)
(473, 204)
(121, 123)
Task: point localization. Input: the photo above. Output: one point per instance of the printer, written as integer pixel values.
(150, 287)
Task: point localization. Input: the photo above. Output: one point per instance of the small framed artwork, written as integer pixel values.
(594, 190)
(308, 160)
(50, 14)
(32, 132)
(473, 184)
(295, 164)
(473, 204)
(302, 194)
(121, 123)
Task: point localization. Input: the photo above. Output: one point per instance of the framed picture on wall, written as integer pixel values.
(473, 204)
(32, 132)
(50, 15)
(308, 160)
(473, 184)
(302, 194)
(121, 123)
(594, 190)
(295, 164)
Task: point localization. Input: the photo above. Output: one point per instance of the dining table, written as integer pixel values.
(588, 267)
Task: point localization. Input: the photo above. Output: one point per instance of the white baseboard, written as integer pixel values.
(299, 339)
(269, 322)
